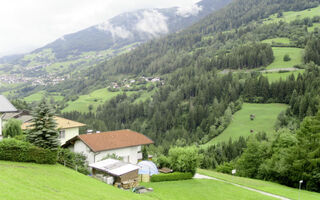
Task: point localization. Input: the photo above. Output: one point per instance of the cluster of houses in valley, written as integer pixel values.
(34, 81)
(128, 83)
(97, 147)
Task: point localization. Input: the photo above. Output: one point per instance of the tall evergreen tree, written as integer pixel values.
(44, 131)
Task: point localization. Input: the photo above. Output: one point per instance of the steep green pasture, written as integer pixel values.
(265, 186)
(200, 189)
(281, 40)
(292, 15)
(276, 76)
(279, 52)
(39, 95)
(315, 25)
(266, 115)
(95, 99)
(27, 181)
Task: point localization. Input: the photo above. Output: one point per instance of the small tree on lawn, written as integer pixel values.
(44, 131)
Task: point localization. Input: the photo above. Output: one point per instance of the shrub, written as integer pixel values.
(184, 159)
(286, 58)
(73, 160)
(175, 176)
(12, 128)
(20, 151)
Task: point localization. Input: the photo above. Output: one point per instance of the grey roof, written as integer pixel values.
(5, 105)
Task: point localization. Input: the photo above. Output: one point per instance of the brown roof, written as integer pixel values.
(62, 123)
(114, 140)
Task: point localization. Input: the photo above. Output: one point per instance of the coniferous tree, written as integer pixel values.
(44, 132)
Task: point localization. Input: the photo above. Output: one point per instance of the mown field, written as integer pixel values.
(281, 40)
(315, 25)
(292, 15)
(40, 95)
(200, 189)
(265, 186)
(266, 116)
(279, 52)
(276, 76)
(27, 181)
(94, 98)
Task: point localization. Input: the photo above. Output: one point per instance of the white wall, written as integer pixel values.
(130, 154)
(69, 133)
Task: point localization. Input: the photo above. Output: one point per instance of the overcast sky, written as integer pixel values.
(29, 24)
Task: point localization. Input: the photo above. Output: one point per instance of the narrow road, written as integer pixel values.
(200, 176)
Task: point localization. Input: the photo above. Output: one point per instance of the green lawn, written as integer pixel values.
(279, 52)
(315, 25)
(95, 99)
(277, 40)
(275, 76)
(266, 115)
(39, 95)
(199, 189)
(266, 186)
(292, 15)
(27, 181)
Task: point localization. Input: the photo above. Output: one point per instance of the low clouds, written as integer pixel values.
(116, 31)
(188, 11)
(153, 22)
(26, 25)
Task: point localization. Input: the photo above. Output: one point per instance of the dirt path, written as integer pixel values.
(281, 69)
(200, 176)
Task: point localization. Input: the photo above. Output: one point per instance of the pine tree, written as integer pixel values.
(44, 132)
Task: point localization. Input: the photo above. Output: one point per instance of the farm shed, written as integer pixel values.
(124, 174)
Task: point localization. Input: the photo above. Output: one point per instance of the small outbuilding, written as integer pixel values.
(116, 172)
(147, 169)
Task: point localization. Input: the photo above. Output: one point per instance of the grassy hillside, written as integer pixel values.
(266, 186)
(200, 189)
(279, 52)
(292, 15)
(281, 40)
(39, 95)
(266, 115)
(26, 181)
(276, 76)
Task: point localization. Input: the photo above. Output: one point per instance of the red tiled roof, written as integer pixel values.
(114, 140)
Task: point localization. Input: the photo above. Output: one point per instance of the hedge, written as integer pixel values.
(175, 176)
(20, 151)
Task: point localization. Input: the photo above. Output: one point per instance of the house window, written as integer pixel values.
(62, 133)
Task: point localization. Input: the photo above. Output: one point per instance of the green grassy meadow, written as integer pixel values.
(28, 181)
(266, 115)
(39, 95)
(200, 189)
(279, 52)
(315, 25)
(95, 99)
(281, 40)
(265, 186)
(276, 76)
(292, 15)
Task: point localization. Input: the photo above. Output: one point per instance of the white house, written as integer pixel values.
(67, 128)
(123, 143)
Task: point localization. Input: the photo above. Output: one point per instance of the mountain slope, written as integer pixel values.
(131, 28)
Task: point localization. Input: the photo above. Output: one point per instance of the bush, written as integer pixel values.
(184, 159)
(286, 58)
(12, 128)
(20, 151)
(175, 176)
(73, 160)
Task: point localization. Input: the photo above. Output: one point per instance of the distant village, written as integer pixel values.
(35, 81)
